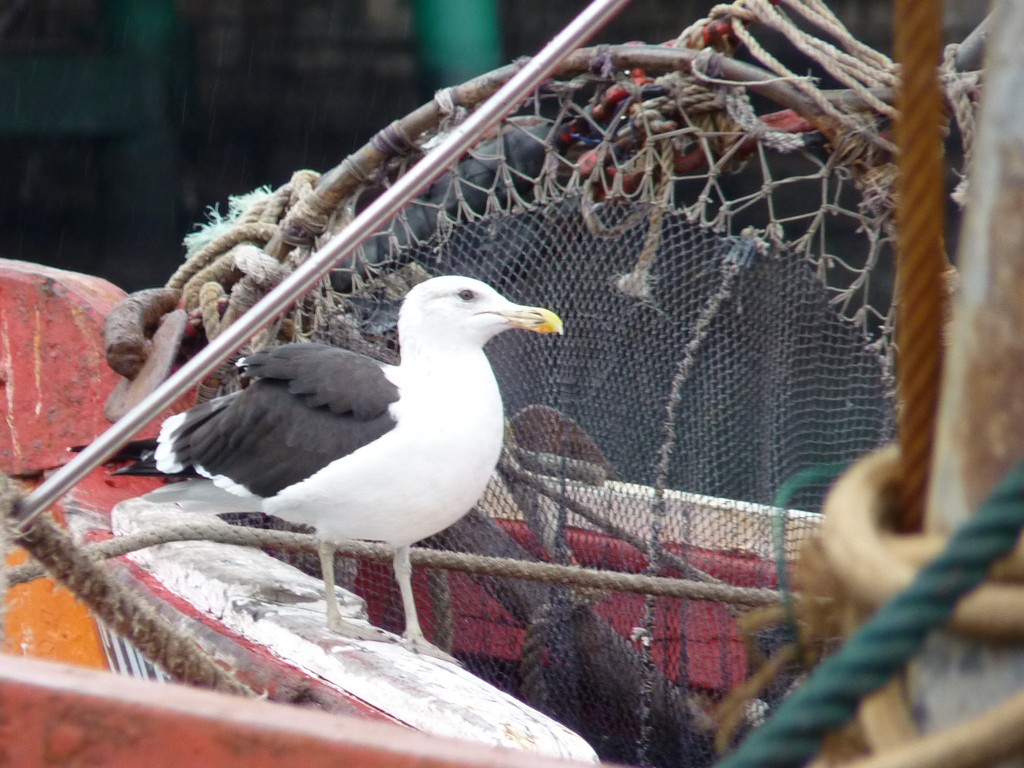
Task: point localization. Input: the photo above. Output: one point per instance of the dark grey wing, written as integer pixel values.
(310, 405)
(343, 381)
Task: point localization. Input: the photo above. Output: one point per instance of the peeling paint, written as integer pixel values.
(37, 362)
(427, 694)
(7, 362)
(56, 380)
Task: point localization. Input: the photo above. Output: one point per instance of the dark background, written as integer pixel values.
(123, 119)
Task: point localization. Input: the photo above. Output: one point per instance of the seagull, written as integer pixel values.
(359, 449)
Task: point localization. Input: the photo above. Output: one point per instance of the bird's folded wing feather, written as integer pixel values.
(309, 405)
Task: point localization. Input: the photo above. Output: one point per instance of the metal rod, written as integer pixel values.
(971, 54)
(376, 215)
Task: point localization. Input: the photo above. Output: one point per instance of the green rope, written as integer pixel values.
(820, 473)
(890, 639)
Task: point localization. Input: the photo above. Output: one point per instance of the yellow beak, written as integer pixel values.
(536, 319)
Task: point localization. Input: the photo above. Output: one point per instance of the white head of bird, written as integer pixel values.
(462, 312)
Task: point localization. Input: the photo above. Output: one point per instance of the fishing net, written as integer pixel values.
(718, 238)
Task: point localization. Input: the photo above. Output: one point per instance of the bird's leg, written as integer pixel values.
(327, 569)
(413, 638)
(335, 621)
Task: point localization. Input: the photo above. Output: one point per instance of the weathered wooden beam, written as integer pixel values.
(980, 433)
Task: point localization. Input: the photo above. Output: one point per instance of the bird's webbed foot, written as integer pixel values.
(417, 643)
(357, 630)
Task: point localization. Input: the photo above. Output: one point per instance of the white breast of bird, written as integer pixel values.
(417, 479)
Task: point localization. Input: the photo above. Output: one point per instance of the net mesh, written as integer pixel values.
(728, 313)
(725, 276)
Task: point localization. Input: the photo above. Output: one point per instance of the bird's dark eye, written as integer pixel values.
(466, 295)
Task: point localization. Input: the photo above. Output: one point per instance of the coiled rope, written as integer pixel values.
(883, 646)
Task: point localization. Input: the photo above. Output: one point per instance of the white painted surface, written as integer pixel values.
(283, 610)
(711, 522)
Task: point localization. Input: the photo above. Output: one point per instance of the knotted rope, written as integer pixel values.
(113, 602)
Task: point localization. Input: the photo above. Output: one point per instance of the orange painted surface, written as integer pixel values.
(54, 382)
(53, 715)
(44, 620)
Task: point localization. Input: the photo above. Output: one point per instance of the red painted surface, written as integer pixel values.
(54, 378)
(55, 383)
(53, 374)
(99, 491)
(55, 715)
(714, 653)
(252, 664)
